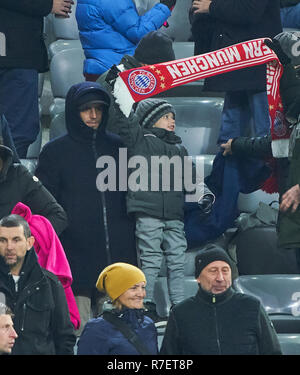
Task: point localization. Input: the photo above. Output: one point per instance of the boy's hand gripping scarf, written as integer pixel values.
(137, 84)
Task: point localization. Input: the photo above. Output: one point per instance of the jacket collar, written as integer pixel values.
(131, 316)
(165, 135)
(214, 299)
(30, 264)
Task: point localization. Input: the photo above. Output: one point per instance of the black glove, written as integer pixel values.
(169, 3)
(276, 47)
(205, 204)
(112, 75)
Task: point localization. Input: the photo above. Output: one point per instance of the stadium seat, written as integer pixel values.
(257, 252)
(161, 295)
(250, 202)
(30, 164)
(280, 296)
(57, 126)
(66, 28)
(179, 25)
(63, 44)
(35, 148)
(65, 31)
(289, 343)
(66, 69)
(183, 49)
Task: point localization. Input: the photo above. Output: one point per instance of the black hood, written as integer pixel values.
(75, 126)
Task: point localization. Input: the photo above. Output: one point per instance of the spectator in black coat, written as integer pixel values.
(18, 185)
(23, 55)
(99, 231)
(246, 105)
(35, 295)
(218, 320)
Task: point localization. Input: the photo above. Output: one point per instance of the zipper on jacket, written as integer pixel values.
(216, 324)
(104, 210)
(23, 317)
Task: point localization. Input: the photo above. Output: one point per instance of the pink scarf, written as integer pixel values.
(51, 254)
(137, 84)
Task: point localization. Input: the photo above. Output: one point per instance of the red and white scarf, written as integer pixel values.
(137, 84)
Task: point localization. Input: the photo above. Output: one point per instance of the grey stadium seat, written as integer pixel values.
(65, 31)
(63, 44)
(57, 126)
(183, 49)
(35, 148)
(257, 252)
(66, 69)
(280, 296)
(179, 25)
(198, 123)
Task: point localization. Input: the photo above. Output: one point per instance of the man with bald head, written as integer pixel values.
(218, 320)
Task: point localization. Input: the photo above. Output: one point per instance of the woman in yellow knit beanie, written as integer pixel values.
(125, 285)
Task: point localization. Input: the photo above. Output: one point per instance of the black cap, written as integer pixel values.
(94, 97)
(209, 255)
(155, 47)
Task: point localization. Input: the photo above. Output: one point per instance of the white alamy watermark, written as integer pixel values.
(160, 174)
(2, 44)
(295, 51)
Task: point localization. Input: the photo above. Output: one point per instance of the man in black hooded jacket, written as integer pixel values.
(99, 231)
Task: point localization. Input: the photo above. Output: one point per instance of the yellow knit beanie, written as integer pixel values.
(117, 278)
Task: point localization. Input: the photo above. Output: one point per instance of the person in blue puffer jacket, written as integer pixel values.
(109, 30)
(125, 285)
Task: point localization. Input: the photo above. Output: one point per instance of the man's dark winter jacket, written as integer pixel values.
(100, 337)
(228, 323)
(99, 231)
(41, 315)
(235, 21)
(21, 22)
(18, 185)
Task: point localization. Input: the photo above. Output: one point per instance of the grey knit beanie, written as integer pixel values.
(149, 111)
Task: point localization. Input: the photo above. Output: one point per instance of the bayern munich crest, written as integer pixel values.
(279, 125)
(141, 81)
